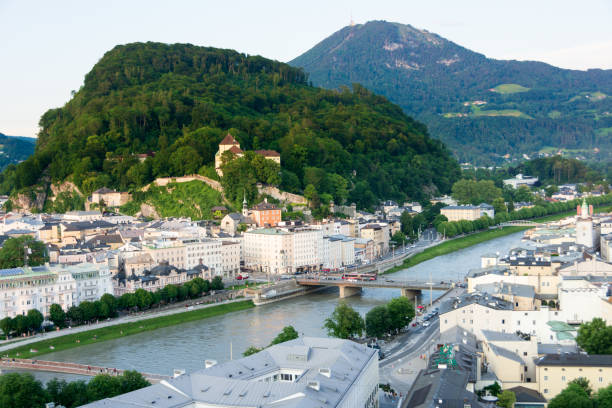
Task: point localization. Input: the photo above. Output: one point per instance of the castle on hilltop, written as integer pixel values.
(231, 144)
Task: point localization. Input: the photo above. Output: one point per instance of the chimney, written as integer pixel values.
(315, 385)
(325, 372)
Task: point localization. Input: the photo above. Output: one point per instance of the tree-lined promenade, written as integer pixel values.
(109, 306)
(121, 327)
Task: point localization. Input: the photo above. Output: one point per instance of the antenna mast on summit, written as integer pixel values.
(352, 21)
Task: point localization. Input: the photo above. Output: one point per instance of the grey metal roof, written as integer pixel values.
(499, 336)
(524, 394)
(507, 289)
(575, 359)
(556, 348)
(237, 383)
(475, 298)
(442, 389)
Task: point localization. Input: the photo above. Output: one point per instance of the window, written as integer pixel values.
(545, 390)
(600, 379)
(562, 378)
(545, 378)
(503, 321)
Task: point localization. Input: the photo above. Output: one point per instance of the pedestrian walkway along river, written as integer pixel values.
(187, 345)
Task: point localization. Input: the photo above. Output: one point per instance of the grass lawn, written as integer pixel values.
(502, 112)
(244, 286)
(510, 88)
(122, 330)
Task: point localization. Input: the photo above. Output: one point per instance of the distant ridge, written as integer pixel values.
(480, 107)
(15, 149)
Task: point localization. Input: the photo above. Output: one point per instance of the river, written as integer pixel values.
(186, 346)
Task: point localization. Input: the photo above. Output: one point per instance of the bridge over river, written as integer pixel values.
(350, 287)
(68, 368)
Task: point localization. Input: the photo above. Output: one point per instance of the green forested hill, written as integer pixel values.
(178, 101)
(528, 106)
(14, 149)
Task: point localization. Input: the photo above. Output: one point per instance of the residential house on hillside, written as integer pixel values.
(109, 197)
(521, 180)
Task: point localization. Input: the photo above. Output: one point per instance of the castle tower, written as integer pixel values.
(228, 143)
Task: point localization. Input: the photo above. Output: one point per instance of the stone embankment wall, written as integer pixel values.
(269, 190)
(282, 195)
(185, 179)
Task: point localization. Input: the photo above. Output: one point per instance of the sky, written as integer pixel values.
(47, 47)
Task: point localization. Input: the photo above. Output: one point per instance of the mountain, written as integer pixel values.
(480, 107)
(177, 102)
(14, 149)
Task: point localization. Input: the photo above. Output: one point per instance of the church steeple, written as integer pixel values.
(245, 208)
(584, 211)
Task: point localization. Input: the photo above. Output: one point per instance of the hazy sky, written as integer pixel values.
(46, 47)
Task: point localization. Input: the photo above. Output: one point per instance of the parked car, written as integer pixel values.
(426, 324)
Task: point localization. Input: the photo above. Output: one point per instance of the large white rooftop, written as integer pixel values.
(324, 371)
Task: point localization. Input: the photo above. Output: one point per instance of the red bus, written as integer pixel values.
(358, 276)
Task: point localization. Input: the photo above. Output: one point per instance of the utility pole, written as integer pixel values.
(430, 290)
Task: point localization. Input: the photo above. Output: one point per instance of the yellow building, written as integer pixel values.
(461, 212)
(109, 197)
(379, 234)
(555, 371)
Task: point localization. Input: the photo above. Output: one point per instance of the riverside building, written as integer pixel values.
(38, 287)
(278, 251)
(306, 373)
(187, 253)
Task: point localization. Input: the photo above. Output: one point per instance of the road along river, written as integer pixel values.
(187, 345)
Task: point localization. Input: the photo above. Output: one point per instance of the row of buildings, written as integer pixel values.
(129, 254)
(517, 322)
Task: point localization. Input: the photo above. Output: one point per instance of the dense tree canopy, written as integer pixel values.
(475, 192)
(16, 251)
(21, 390)
(178, 101)
(595, 337)
(345, 322)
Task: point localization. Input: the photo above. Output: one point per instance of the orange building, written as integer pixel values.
(266, 214)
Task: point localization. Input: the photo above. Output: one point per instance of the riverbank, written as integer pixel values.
(455, 245)
(102, 334)
(477, 238)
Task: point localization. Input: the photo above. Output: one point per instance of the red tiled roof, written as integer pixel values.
(235, 150)
(268, 153)
(229, 140)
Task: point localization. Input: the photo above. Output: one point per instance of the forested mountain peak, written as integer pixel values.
(179, 101)
(473, 103)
